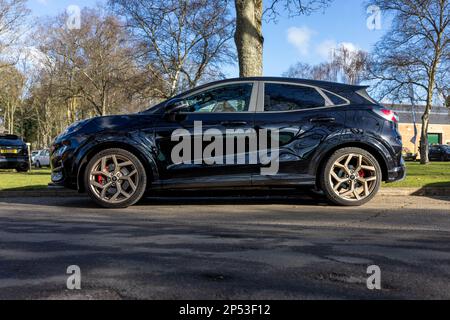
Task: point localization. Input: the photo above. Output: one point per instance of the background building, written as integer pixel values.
(439, 129)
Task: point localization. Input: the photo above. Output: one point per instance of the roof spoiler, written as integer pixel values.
(362, 91)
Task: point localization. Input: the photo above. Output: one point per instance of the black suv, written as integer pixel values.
(13, 153)
(285, 133)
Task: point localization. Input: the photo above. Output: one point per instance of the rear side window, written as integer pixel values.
(283, 97)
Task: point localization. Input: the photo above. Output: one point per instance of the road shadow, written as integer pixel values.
(303, 197)
(439, 191)
(233, 197)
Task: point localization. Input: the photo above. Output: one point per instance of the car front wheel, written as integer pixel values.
(115, 178)
(351, 177)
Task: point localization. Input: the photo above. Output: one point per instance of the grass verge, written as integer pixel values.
(436, 174)
(35, 179)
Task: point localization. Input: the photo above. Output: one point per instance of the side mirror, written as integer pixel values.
(175, 106)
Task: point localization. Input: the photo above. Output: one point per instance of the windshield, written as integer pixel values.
(157, 108)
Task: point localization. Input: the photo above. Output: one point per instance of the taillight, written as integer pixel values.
(387, 114)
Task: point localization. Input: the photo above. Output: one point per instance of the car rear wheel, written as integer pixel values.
(351, 177)
(115, 178)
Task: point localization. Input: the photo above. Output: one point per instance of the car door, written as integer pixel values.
(46, 158)
(39, 157)
(209, 113)
(303, 116)
(434, 152)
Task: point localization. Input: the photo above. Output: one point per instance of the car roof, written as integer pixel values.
(317, 83)
(346, 90)
(9, 136)
(349, 92)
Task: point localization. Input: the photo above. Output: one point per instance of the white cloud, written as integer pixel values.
(300, 38)
(325, 48)
(44, 2)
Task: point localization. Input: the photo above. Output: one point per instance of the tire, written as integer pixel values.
(112, 187)
(37, 165)
(351, 177)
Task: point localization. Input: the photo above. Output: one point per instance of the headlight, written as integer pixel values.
(74, 127)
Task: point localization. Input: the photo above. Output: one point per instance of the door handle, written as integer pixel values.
(322, 119)
(234, 123)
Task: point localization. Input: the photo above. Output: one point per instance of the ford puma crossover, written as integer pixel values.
(239, 133)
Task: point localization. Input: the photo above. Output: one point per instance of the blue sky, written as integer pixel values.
(290, 40)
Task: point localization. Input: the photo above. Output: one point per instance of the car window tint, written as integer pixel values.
(232, 98)
(282, 97)
(335, 99)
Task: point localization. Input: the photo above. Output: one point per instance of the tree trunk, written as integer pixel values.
(424, 149)
(248, 37)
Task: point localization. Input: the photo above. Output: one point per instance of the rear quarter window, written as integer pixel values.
(336, 99)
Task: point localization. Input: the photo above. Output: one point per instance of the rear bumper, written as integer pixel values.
(398, 173)
(14, 163)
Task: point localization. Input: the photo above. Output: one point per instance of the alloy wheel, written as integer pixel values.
(114, 178)
(353, 177)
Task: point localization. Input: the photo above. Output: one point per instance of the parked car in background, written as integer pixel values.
(33, 156)
(332, 137)
(439, 153)
(42, 159)
(13, 153)
(408, 155)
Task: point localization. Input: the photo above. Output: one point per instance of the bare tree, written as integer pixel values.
(345, 66)
(12, 16)
(299, 70)
(351, 64)
(413, 53)
(249, 37)
(11, 85)
(91, 66)
(182, 41)
(325, 71)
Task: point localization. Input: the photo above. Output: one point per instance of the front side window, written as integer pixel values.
(231, 98)
(283, 97)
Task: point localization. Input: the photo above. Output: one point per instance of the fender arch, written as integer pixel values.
(363, 141)
(142, 151)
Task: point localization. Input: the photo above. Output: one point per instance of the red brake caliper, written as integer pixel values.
(100, 178)
(362, 174)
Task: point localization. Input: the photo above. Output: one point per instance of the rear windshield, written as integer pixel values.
(9, 137)
(10, 140)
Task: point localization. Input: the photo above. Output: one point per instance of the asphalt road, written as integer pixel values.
(225, 248)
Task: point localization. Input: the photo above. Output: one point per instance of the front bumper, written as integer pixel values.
(20, 162)
(61, 163)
